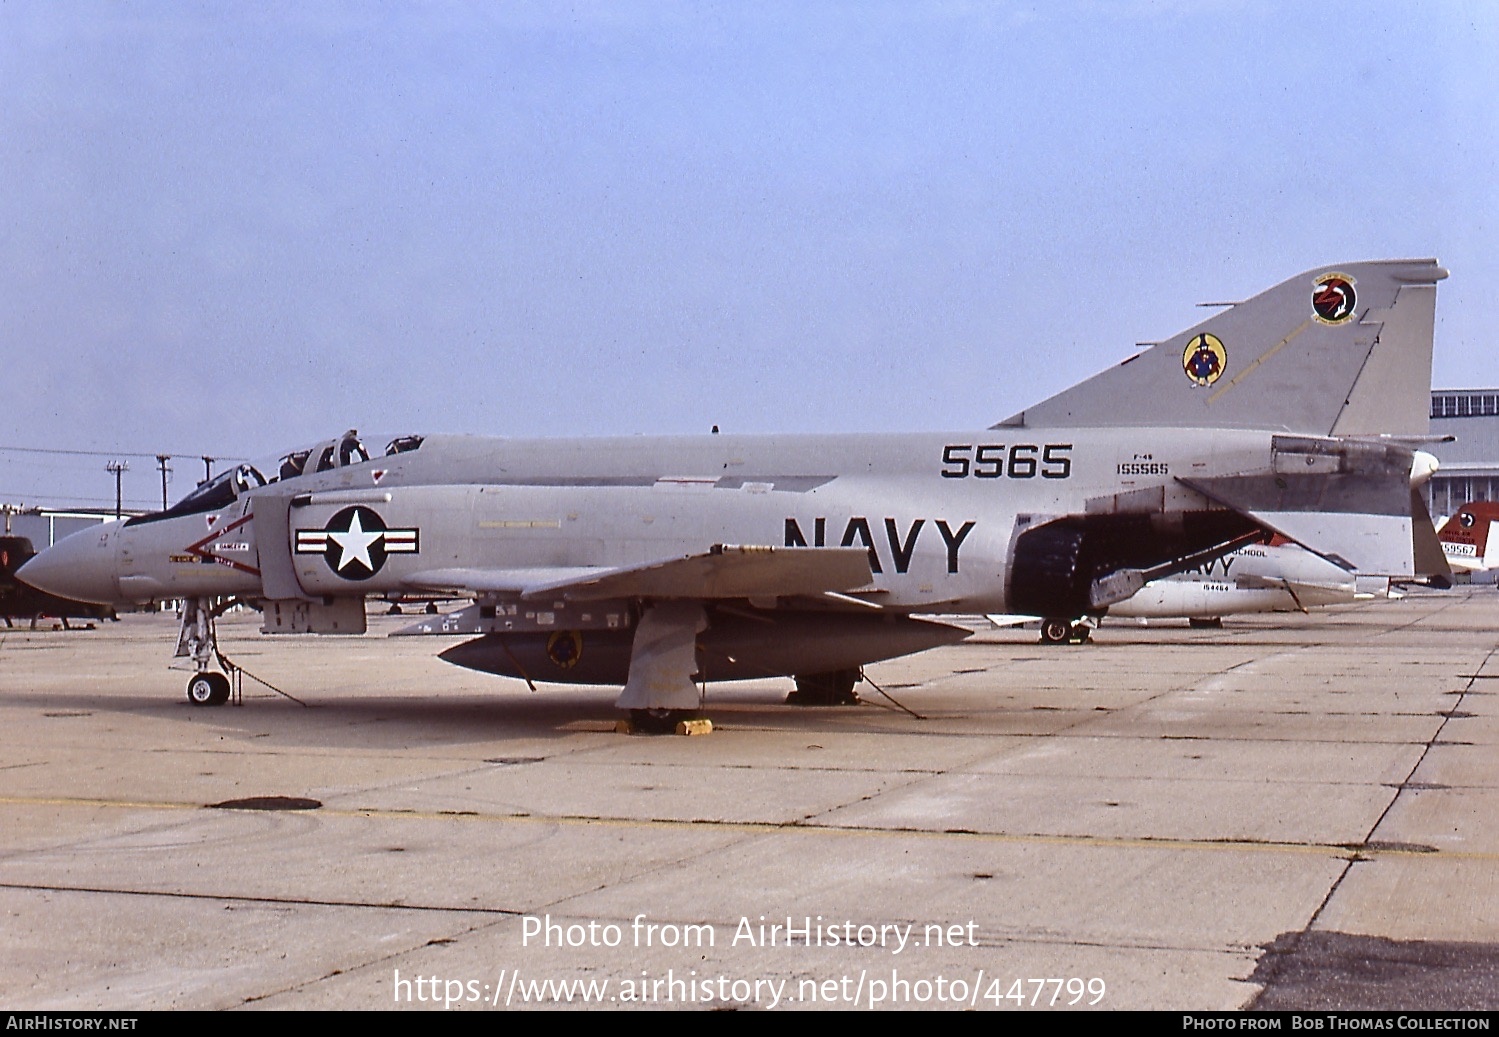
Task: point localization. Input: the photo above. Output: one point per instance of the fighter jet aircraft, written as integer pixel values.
(1275, 576)
(662, 564)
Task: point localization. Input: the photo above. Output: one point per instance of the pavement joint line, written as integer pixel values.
(1352, 852)
(243, 898)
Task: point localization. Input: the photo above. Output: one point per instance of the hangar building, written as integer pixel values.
(1470, 463)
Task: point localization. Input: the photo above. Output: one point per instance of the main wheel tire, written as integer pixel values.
(1081, 633)
(834, 688)
(208, 689)
(1056, 631)
(658, 721)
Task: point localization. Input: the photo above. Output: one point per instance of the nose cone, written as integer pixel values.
(81, 567)
(1423, 468)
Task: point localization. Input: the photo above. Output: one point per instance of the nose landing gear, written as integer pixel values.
(198, 641)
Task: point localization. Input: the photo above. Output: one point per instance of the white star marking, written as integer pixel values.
(356, 544)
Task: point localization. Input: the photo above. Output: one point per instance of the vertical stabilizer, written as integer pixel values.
(1340, 350)
(1467, 538)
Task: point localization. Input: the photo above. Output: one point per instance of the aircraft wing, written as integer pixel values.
(723, 571)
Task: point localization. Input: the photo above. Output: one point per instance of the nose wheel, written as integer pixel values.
(208, 689)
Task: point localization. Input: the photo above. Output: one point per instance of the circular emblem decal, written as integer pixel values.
(1204, 359)
(1465, 519)
(356, 542)
(1333, 299)
(565, 648)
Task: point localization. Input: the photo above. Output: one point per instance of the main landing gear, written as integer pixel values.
(834, 688)
(665, 722)
(1058, 631)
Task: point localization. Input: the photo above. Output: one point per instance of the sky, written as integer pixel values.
(233, 229)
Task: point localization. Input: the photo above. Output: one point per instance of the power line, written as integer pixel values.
(110, 453)
(69, 500)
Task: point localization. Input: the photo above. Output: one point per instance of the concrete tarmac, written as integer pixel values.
(1290, 812)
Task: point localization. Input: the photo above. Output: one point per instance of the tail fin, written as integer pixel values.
(1465, 536)
(1341, 350)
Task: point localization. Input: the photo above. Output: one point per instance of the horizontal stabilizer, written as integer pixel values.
(724, 571)
(1348, 501)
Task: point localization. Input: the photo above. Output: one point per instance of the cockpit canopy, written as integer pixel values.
(226, 487)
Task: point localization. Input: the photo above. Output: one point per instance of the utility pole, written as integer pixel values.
(161, 462)
(119, 468)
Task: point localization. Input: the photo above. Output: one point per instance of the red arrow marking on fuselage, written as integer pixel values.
(199, 550)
